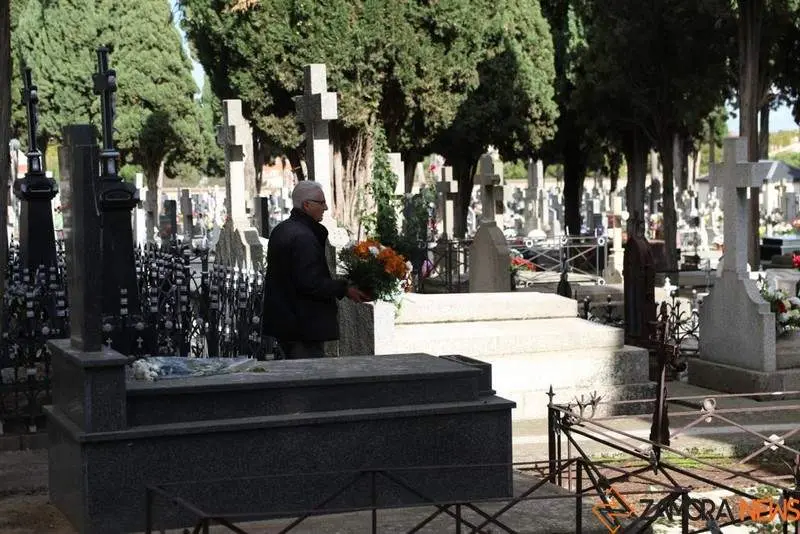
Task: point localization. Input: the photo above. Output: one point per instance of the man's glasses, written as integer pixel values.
(317, 201)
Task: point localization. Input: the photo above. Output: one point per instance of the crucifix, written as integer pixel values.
(232, 137)
(447, 191)
(491, 178)
(315, 108)
(735, 175)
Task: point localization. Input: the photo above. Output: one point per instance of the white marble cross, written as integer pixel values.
(315, 108)
(447, 190)
(490, 177)
(735, 175)
(231, 136)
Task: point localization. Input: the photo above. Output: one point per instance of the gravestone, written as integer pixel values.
(238, 244)
(78, 157)
(639, 277)
(187, 215)
(790, 206)
(447, 192)
(116, 199)
(490, 178)
(737, 328)
(168, 221)
(613, 271)
(35, 191)
(262, 208)
(490, 261)
(533, 193)
(315, 108)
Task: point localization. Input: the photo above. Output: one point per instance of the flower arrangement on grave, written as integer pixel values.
(518, 263)
(785, 308)
(377, 270)
(796, 261)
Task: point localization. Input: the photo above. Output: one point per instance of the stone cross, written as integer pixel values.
(232, 136)
(315, 108)
(735, 175)
(186, 213)
(790, 211)
(490, 176)
(447, 190)
(533, 211)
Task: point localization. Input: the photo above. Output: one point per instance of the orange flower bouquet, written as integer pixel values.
(377, 270)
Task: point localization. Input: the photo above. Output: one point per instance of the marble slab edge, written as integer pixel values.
(275, 421)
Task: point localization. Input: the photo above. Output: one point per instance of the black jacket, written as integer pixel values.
(299, 292)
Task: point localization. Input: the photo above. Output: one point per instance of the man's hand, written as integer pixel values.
(356, 295)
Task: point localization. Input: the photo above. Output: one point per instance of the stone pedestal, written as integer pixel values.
(273, 442)
(520, 334)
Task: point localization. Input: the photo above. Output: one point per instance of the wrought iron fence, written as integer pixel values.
(768, 428)
(449, 266)
(580, 255)
(191, 307)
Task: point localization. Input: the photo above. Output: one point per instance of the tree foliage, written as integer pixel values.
(453, 75)
(656, 72)
(158, 122)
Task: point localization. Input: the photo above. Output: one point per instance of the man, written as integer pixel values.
(300, 295)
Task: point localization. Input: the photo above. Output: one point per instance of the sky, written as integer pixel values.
(780, 119)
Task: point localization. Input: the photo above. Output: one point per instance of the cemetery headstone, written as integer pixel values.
(35, 192)
(116, 200)
(187, 215)
(168, 224)
(78, 156)
(316, 107)
(639, 277)
(533, 193)
(613, 271)
(261, 216)
(490, 177)
(737, 328)
(447, 192)
(239, 244)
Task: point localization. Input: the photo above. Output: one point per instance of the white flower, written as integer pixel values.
(409, 267)
(783, 317)
(795, 302)
(143, 370)
(374, 251)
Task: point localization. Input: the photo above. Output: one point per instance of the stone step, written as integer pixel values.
(488, 338)
(474, 307)
(582, 369)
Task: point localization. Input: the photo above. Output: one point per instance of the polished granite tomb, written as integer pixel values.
(309, 421)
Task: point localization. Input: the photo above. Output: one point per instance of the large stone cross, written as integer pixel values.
(735, 175)
(490, 176)
(447, 190)
(232, 137)
(315, 108)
